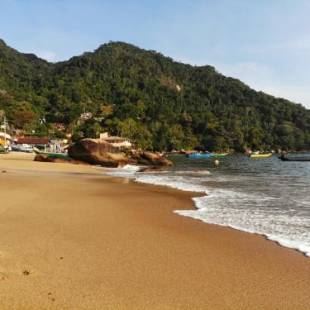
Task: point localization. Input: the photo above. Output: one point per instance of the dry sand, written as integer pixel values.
(73, 239)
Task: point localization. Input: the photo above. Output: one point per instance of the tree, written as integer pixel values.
(154, 100)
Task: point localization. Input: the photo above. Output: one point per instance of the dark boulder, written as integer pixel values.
(49, 159)
(156, 159)
(152, 159)
(99, 152)
(95, 152)
(42, 158)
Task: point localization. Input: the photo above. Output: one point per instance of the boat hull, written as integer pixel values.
(257, 156)
(283, 158)
(219, 155)
(52, 155)
(199, 155)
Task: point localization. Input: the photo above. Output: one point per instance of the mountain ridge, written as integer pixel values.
(161, 103)
(110, 43)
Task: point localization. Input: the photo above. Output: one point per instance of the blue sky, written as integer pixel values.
(265, 43)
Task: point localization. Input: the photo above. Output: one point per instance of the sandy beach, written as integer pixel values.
(72, 238)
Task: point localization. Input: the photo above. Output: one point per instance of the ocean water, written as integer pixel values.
(264, 196)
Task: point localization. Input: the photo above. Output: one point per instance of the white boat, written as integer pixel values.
(22, 148)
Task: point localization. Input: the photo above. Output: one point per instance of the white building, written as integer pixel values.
(119, 142)
(5, 139)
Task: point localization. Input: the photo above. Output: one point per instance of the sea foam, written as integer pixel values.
(233, 208)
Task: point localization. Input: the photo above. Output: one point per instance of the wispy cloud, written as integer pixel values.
(298, 94)
(264, 78)
(259, 76)
(266, 44)
(47, 55)
(247, 71)
(301, 44)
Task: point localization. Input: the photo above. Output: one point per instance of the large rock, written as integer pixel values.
(99, 152)
(96, 152)
(47, 159)
(153, 159)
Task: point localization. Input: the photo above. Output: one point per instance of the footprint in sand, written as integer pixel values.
(50, 296)
(26, 272)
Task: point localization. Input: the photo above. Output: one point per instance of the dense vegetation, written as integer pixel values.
(159, 103)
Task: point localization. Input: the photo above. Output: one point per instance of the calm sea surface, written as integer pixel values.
(265, 196)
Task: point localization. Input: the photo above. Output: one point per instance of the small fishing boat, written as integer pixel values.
(24, 148)
(219, 155)
(260, 155)
(294, 158)
(199, 155)
(51, 154)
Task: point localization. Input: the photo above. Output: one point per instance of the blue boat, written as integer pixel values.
(200, 155)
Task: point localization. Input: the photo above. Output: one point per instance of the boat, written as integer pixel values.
(199, 155)
(260, 155)
(294, 158)
(22, 148)
(206, 155)
(219, 155)
(51, 154)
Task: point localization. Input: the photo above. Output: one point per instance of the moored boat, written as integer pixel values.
(206, 155)
(24, 148)
(260, 155)
(219, 155)
(294, 158)
(199, 155)
(51, 154)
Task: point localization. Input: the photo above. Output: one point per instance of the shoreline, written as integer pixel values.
(90, 170)
(129, 249)
(200, 194)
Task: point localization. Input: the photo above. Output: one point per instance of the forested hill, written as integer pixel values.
(150, 98)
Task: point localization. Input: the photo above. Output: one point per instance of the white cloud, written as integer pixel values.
(261, 78)
(302, 43)
(296, 94)
(295, 45)
(247, 71)
(47, 55)
(264, 78)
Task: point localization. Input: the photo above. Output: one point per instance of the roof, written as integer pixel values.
(115, 138)
(33, 140)
(5, 135)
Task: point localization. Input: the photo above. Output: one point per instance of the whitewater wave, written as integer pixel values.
(233, 208)
(244, 212)
(177, 182)
(127, 171)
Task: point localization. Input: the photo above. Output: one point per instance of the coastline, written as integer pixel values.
(90, 241)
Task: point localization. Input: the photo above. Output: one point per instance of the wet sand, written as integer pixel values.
(71, 238)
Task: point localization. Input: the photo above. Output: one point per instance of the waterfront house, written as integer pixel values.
(118, 142)
(30, 141)
(5, 140)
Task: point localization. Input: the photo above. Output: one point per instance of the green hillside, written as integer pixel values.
(150, 98)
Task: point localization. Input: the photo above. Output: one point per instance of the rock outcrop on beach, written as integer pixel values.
(96, 152)
(150, 159)
(48, 159)
(99, 152)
